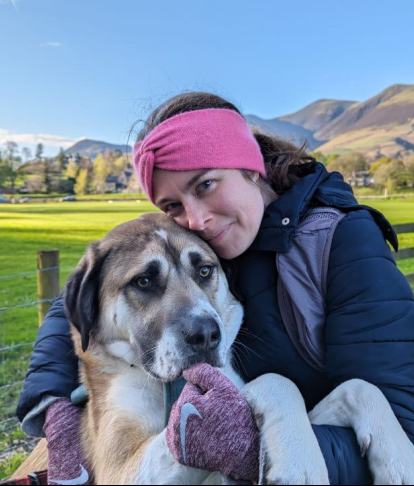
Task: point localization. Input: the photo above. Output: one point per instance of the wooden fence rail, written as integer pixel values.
(47, 280)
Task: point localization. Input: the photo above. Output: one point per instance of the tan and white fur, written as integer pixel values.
(140, 302)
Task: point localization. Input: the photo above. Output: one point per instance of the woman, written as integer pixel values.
(248, 213)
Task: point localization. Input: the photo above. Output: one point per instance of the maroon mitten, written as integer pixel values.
(66, 461)
(212, 427)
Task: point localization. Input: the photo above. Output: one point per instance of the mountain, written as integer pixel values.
(303, 124)
(284, 129)
(395, 105)
(318, 114)
(383, 125)
(92, 148)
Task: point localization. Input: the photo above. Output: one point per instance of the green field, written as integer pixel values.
(70, 227)
(25, 229)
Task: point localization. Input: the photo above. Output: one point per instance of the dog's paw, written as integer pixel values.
(389, 452)
(301, 465)
(363, 407)
(392, 461)
(293, 455)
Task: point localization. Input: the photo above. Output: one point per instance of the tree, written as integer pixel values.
(376, 165)
(410, 170)
(120, 165)
(72, 170)
(134, 185)
(62, 160)
(12, 150)
(2, 170)
(101, 171)
(319, 156)
(331, 158)
(82, 182)
(39, 151)
(12, 163)
(349, 164)
(27, 153)
(47, 175)
(391, 175)
(52, 170)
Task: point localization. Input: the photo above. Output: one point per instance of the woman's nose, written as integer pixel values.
(196, 222)
(197, 219)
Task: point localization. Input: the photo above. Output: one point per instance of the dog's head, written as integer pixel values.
(154, 295)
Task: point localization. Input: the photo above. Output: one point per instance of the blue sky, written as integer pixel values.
(71, 69)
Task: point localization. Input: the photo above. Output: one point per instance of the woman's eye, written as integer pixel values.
(205, 185)
(205, 272)
(144, 283)
(171, 207)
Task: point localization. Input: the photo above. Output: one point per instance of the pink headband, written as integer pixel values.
(212, 138)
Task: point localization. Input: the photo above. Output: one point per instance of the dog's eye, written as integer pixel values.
(206, 272)
(144, 283)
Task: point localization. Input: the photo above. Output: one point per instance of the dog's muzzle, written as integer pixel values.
(203, 335)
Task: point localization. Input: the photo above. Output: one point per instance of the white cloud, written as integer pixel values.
(52, 143)
(9, 2)
(53, 44)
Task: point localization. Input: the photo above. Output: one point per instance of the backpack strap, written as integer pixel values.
(302, 283)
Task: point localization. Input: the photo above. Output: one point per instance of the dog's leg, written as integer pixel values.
(291, 447)
(156, 465)
(363, 407)
(126, 453)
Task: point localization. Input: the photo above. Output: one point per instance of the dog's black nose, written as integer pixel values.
(204, 335)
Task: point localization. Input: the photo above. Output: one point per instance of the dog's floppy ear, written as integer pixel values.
(82, 293)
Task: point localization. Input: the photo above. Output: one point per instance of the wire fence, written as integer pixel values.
(20, 305)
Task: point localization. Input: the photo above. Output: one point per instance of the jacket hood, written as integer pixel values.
(317, 187)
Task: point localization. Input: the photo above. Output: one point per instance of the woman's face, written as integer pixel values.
(221, 206)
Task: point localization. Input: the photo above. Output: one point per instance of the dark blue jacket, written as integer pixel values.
(369, 327)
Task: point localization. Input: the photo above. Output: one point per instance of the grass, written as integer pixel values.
(70, 227)
(25, 229)
(89, 197)
(398, 211)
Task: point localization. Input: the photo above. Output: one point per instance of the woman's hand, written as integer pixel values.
(212, 426)
(62, 430)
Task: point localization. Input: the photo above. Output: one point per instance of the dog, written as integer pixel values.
(151, 300)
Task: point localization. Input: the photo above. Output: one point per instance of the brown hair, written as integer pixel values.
(283, 160)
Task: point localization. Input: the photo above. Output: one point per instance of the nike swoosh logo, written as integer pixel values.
(186, 412)
(82, 479)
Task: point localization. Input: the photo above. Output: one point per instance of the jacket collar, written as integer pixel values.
(317, 187)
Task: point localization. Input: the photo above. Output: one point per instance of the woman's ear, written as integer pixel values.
(81, 300)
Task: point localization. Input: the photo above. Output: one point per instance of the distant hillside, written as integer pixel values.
(318, 114)
(381, 126)
(284, 129)
(303, 124)
(395, 105)
(384, 125)
(92, 148)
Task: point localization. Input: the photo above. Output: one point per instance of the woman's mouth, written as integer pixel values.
(220, 236)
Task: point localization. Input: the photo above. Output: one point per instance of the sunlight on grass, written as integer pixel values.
(70, 227)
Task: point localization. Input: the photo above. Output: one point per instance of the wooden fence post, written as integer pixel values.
(48, 286)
